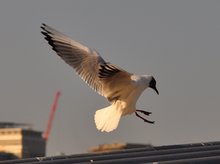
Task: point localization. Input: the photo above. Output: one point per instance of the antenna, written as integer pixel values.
(52, 113)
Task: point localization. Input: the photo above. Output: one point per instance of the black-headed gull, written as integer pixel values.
(121, 88)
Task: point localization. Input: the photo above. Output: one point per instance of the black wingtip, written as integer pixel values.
(44, 28)
(48, 37)
(43, 25)
(44, 33)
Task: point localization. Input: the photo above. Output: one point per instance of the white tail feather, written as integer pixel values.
(107, 119)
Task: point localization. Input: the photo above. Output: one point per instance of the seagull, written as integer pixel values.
(121, 88)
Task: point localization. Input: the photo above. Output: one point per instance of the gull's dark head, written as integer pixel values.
(152, 85)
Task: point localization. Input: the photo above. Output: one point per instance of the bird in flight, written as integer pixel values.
(121, 88)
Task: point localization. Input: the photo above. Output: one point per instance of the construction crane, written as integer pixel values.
(51, 117)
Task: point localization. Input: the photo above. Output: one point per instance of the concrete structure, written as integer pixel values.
(24, 143)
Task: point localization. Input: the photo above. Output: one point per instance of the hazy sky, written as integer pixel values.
(178, 42)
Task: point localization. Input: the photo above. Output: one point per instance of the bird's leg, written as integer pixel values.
(146, 113)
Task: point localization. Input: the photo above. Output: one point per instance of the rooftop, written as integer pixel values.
(208, 152)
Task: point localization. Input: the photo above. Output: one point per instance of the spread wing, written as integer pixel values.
(101, 76)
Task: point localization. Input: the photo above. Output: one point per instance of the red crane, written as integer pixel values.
(52, 113)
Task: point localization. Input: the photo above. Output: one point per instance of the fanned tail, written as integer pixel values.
(107, 119)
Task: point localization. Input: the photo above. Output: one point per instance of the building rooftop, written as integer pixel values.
(15, 125)
(202, 153)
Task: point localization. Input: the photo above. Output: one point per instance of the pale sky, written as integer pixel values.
(178, 42)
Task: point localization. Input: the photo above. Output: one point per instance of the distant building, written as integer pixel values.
(21, 141)
(116, 147)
